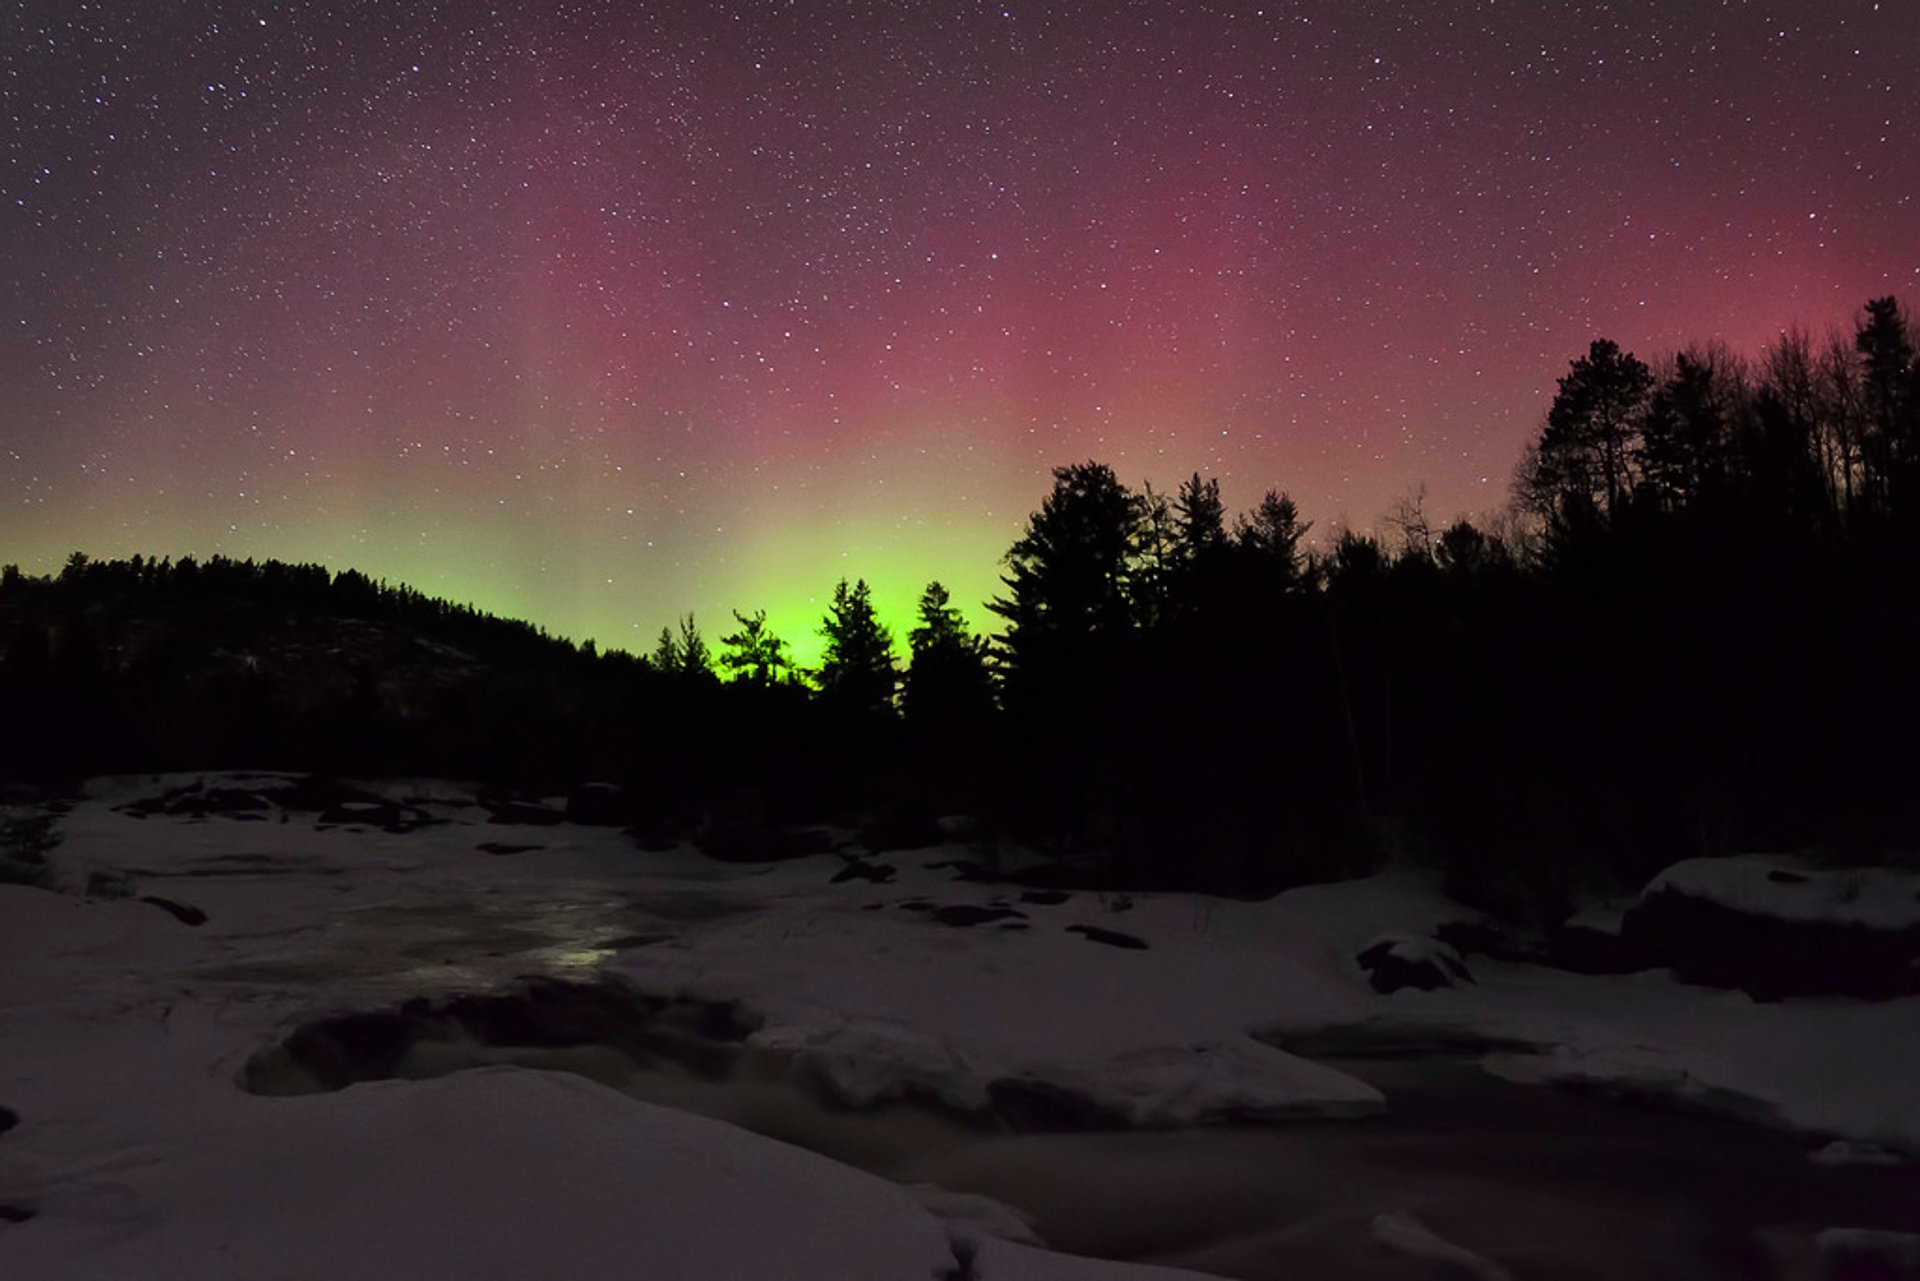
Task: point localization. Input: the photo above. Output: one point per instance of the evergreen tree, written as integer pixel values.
(1070, 572)
(1271, 536)
(1584, 457)
(1200, 519)
(1689, 417)
(1889, 378)
(947, 679)
(685, 654)
(857, 670)
(754, 654)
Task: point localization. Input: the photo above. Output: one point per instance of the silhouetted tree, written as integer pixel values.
(1068, 575)
(1688, 422)
(685, 654)
(856, 671)
(1407, 517)
(1200, 519)
(754, 654)
(1888, 381)
(1156, 558)
(1465, 550)
(947, 679)
(1271, 535)
(1585, 455)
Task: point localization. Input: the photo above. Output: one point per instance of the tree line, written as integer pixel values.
(1693, 631)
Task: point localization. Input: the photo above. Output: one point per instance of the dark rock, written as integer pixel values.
(860, 870)
(1038, 1107)
(197, 800)
(340, 1050)
(964, 869)
(909, 827)
(1045, 898)
(751, 843)
(522, 813)
(1485, 938)
(1769, 957)
(626, 941)
(1112, 938)
(916, 905)
(346, 1048)
(185, 913)
(596, 804)
(965, 1250)
(1856, 1254)
(8, 1119)
(505, 847)
(966, 915)
(1584, 950)
(1400, 961)
(16, 1213)
(659, 836)
(108, 885)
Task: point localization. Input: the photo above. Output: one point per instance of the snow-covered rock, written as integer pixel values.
(1395, 961)
(1776, 926)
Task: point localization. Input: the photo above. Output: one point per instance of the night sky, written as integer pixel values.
(593, 313)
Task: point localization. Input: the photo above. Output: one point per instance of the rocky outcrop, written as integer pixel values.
(1776, 930)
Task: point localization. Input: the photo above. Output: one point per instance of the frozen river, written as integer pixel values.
(1126, 1101)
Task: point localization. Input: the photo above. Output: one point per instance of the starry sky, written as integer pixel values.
(595, 313)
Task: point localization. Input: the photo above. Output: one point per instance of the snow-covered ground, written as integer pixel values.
(124, 1030)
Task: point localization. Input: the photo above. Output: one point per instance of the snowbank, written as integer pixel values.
(1793, 889)
(488, 1174)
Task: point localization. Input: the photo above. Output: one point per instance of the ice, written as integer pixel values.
(125, 1031)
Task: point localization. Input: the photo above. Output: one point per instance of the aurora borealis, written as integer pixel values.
(595, 313)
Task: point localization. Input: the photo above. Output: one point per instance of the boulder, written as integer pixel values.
(1396, 961)
(1112, 938)
(1775, 928)
(597, 805)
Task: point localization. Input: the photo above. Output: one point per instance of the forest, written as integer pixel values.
(1693, 632)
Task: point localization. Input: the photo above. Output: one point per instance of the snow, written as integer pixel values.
(973, 1215)
(1401, 1233)
(1844, 1152)
(1793, 889)
(496, 1173)
(1826, 1067)
(125, 1032)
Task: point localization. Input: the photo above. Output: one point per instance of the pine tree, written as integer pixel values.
(1068, 577)
(1271, 536)
(754, 654)
(1684, 437)
(1891, 383)
(947, 680)
(685, 654)
(1200, 518)
(1585, 454)
(857, 670)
